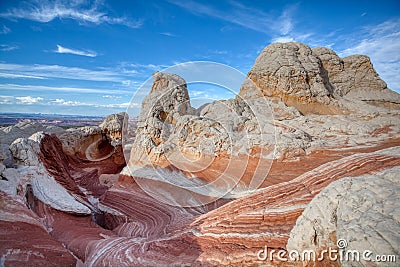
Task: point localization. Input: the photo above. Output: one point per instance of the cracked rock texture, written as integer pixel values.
(363, 210)
(316, 80)
(112, 127)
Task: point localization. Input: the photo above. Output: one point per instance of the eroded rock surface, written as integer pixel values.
(306, 154)
(316, 80)
(55, 176)
(361, 210)
(24, 241)
(112, 127)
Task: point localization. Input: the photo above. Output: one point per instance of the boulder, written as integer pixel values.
(354, 77)
(317, 80)
(112, 127)
(293, 73)
(358, 213)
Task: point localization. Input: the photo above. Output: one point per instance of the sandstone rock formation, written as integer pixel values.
(24, 239)
(315, 80)
(24, 129)
(305, 155)
(361, 211)
(294, 74)
(232, 234)
(272, 212)
(167, 102)
(197, 144)
(112, 127)
(46, 178)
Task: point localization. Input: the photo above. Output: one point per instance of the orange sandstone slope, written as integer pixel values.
(250, 172)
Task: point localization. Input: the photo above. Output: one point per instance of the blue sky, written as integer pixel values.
(89, 57)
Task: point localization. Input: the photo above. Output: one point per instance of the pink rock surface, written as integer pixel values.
(24, 241)
(125, 224)
(229, 235)
(129, 227)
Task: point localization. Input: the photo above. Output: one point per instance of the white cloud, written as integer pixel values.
(195, 93)
(57, 71)
(65, 50)
(18, 87)
(126, 83)
(5, 30)
(63, 102)
(121, 105)
(112, 96)
(169, 34)
(382, 44)
(283, 39)
(18, 76)
(244, 16)
(137, 67)
(121, 74)
(28, 100)
(79, 10)
(285, 23)
(4, 47)
(58, 100)
(218, 52)
(6, 100)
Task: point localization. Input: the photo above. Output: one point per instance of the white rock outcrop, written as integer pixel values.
(30, 171)
(363, 211)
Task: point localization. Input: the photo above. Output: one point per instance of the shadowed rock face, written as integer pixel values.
(111, 128)
(352, 73)
(72, 200)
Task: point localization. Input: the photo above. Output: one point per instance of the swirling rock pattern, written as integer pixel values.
(229, 235)
(57, 185)
(362, 210)
(24, 241)
(71, 200)
(272, 213)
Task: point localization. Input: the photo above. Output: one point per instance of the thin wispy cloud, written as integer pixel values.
(6, 100)
(5, 30)
(244, 16)
(280, 25)
(381, 43)
(168, 34)
(60, 102)
(79, 10)
(19, 76)
(65, 50)
(137, 68)
(124, 77)
(56, 71)
(5, 47)
(39, 88)
(284, 23)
